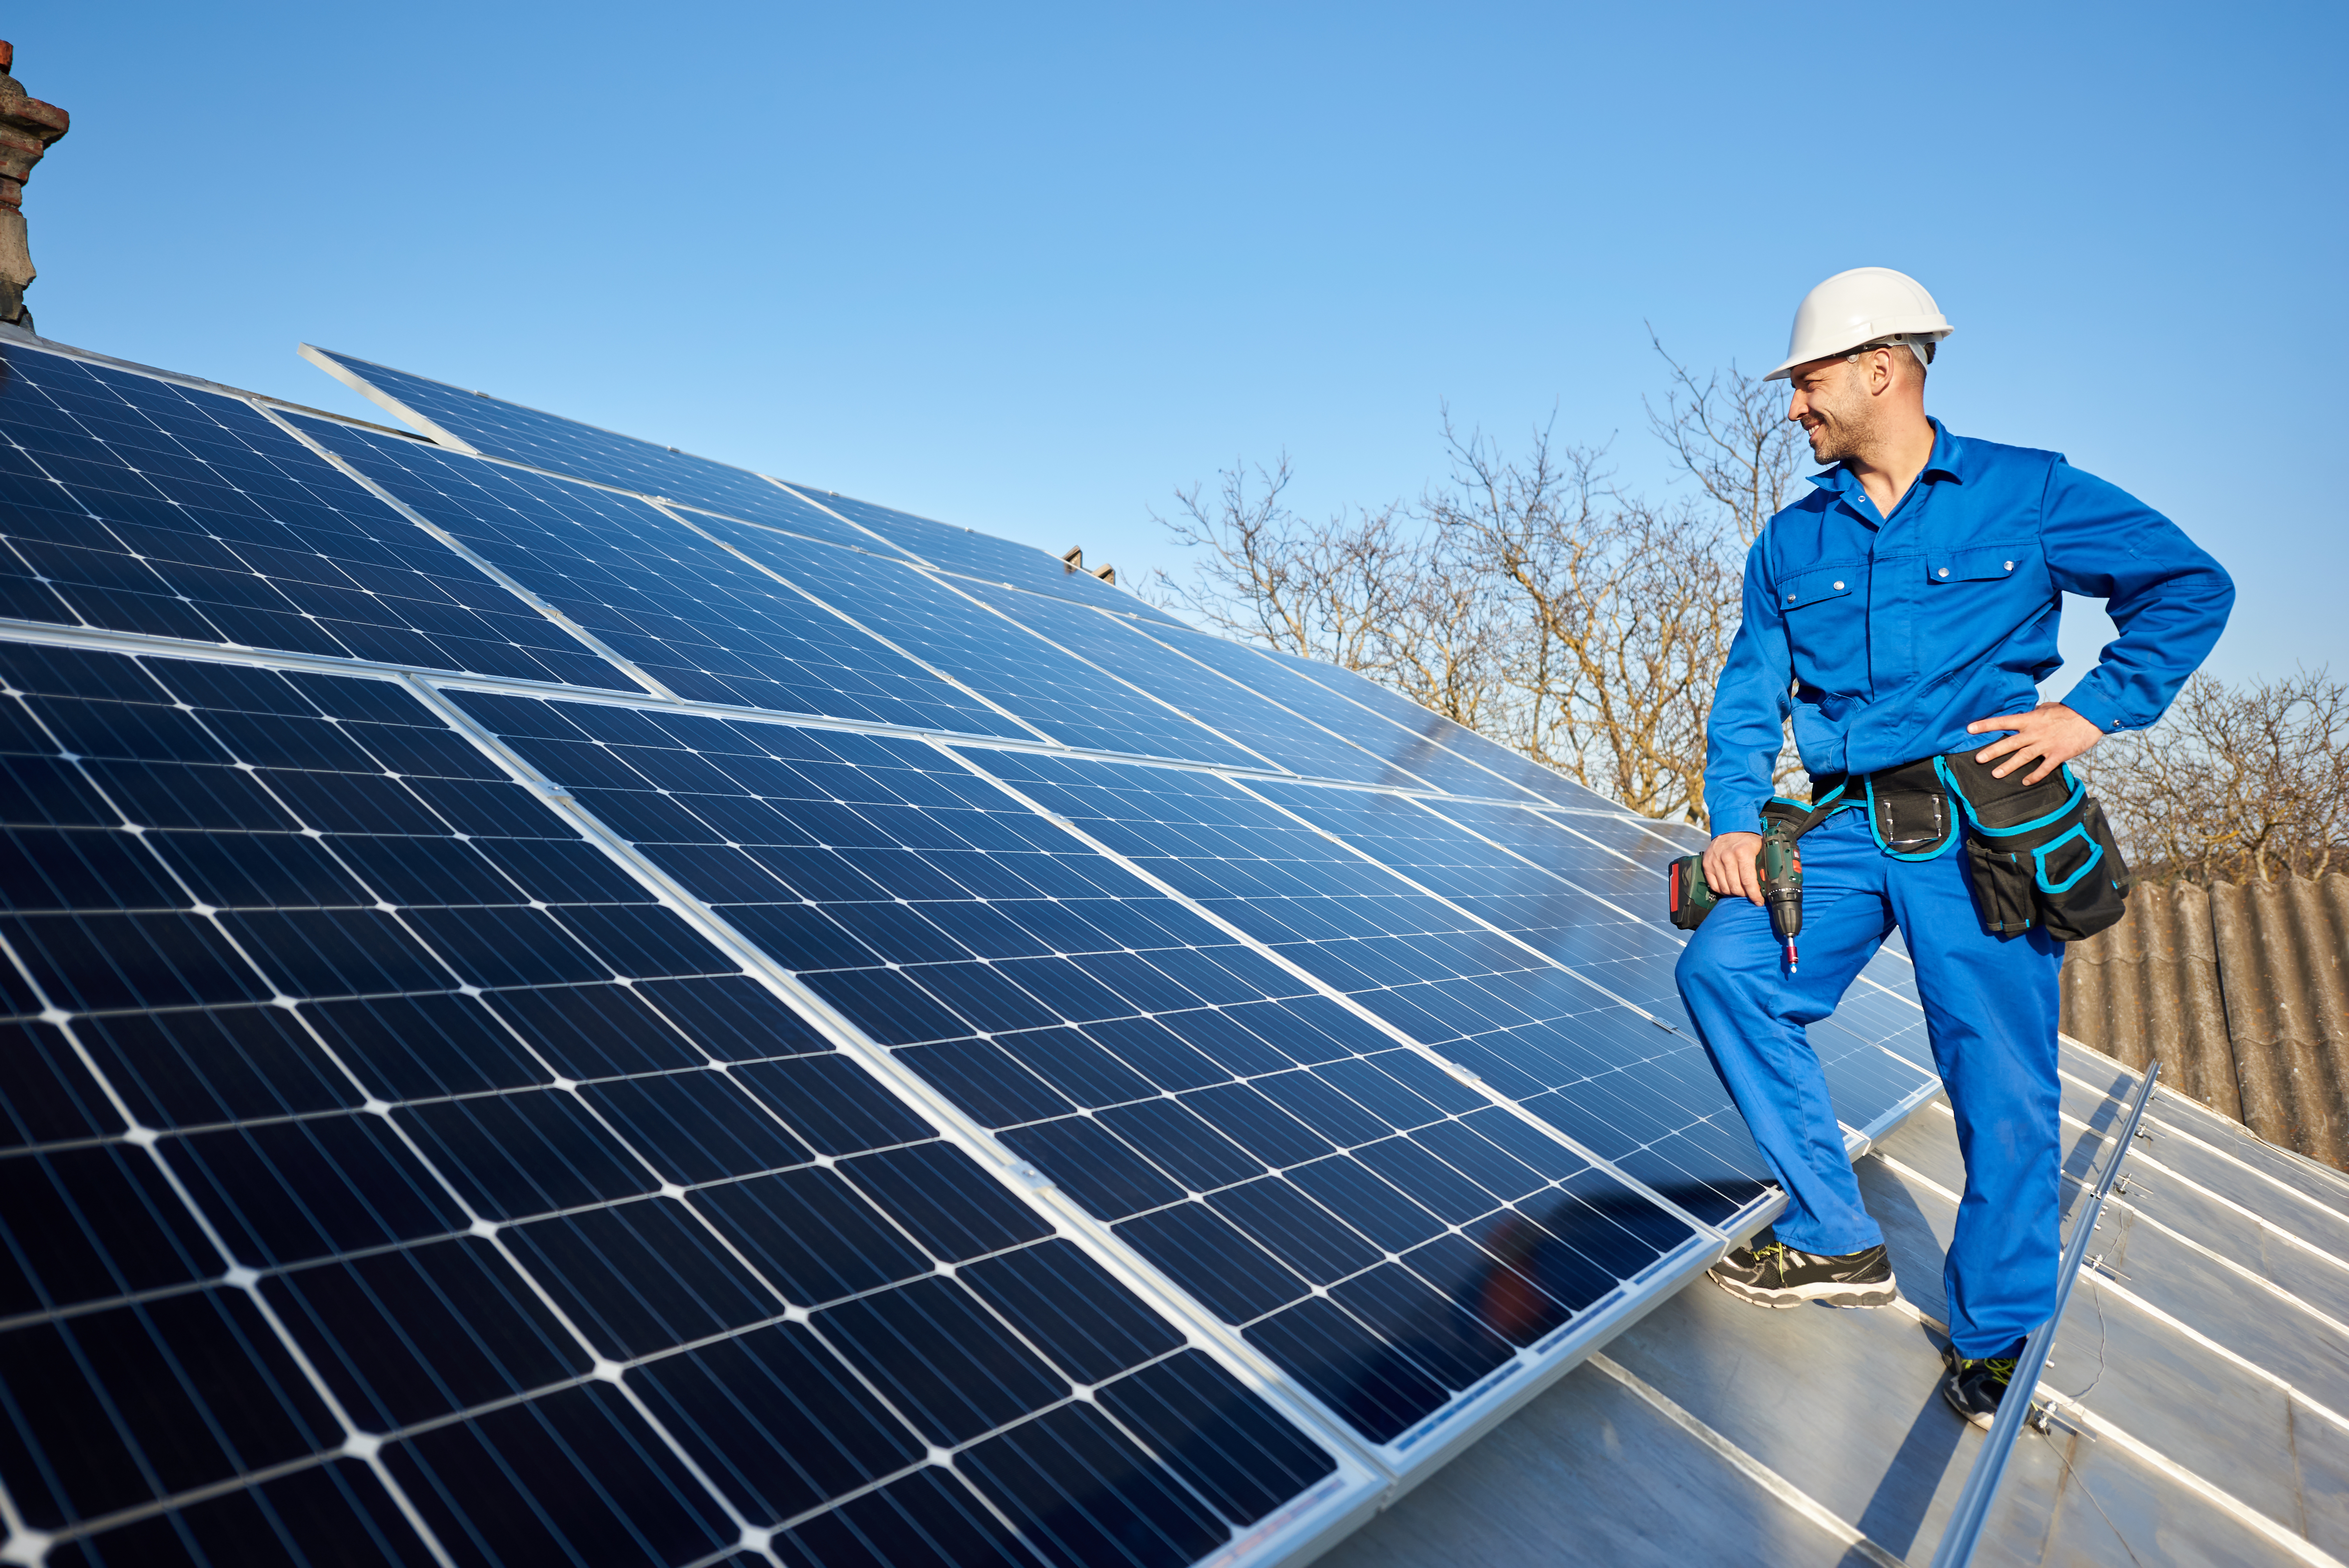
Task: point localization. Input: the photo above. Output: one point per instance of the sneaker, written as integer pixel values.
(1777, 1276)
(1974, 1389)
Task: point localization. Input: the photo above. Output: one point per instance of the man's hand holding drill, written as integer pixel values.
(1732, 867)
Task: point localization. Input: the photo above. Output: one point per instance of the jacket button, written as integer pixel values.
(1945, 572)
(2010, 567)
(1838, 587)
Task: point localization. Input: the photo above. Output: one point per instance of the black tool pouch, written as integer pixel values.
(2039, 854)
(1910, 807)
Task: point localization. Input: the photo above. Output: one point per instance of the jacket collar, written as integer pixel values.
(1947, 461)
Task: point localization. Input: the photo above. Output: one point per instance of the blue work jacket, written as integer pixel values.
(1886, 636)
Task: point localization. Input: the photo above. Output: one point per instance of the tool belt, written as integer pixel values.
(2037, 855)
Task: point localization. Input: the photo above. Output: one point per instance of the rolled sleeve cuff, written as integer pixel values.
(2096, 709)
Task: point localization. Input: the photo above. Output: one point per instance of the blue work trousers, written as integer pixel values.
(1991, 1010)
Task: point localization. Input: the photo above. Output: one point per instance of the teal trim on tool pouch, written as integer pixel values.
(2079, 793)
(2039, 858)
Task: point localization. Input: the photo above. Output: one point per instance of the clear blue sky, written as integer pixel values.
(1027, 268)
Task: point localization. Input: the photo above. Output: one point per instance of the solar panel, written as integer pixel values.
(1240, 1127)
(970, 554)
(778, 1039)
(706, 625)
(476, 422)
(1556, 1043)
(383, 1117)
(129, 503)
(930, 617)
(1120, 648)
(1408, 751)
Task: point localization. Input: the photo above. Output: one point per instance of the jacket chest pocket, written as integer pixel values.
(1982, 563)
(1801, 590)
(1826, 623)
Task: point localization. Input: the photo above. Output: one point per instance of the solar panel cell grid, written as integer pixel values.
(133, 505)
(700, 622)
(387, 1175)
(1456, 739)
(1062, 696)
(503, 429)
(1121, 649)
(988, 558)
(1227, 1121)
(1531, 1028)
(456, 1173)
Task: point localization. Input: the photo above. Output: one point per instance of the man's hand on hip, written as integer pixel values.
(1730, 868)
(2051, 732)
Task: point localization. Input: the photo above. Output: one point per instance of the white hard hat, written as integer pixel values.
(1862, 305)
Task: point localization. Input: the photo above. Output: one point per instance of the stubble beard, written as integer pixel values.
(1843, 434)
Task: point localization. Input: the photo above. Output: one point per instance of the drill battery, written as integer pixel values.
(1692, 897)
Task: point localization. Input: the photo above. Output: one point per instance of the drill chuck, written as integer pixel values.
(1781, 865)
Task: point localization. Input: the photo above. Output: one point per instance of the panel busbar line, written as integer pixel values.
(391, 1178)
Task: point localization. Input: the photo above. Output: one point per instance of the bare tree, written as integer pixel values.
(1450, 644)
(2238, 782)
(1380, 592)
(1267, 575)
(1732, 436)
(1526, 596)
(1625, 611)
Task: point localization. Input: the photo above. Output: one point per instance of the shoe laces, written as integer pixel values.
(2000, 1368)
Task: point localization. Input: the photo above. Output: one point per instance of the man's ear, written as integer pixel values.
(1881, 374)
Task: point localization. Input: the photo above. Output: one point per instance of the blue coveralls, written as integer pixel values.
(1884, 637)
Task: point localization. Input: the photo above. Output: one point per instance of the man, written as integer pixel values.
(1908, 604)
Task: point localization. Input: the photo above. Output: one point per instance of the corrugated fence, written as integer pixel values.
(2242, 992)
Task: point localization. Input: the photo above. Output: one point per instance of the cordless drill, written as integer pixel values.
(1780, 864)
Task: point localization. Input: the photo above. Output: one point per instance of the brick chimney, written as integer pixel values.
(27, 126)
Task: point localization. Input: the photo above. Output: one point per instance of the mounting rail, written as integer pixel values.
(1966, 1520)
